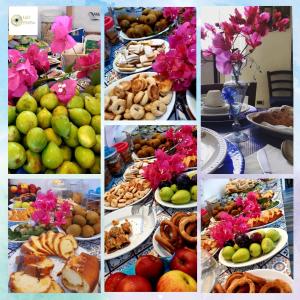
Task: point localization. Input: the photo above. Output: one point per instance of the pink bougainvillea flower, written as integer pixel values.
(87, 63)
(203, 33)
(65, 90)
(62, 40)
(38, 58)
(280, 24)
(189, 14)
(223, 62)
(171, 13)
(254, 40)
(14, 56)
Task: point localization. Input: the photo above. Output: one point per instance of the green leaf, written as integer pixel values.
(95, 77)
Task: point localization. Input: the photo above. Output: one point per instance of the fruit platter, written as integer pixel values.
(179, 193)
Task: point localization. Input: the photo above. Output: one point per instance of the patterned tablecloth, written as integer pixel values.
(179, 112)
(280, 261)
(128, 260)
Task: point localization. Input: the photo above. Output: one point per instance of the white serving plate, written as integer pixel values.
(79, 238)
(209, 111)
(275, 129)
(138, 70)
(170, 106)
(58, 265)
(213, 149)
(162, 252)
(128, 170)
(191, 204)
(192, 103)
(136, 202)
(138, 222)
(124, 36)
(267, 225)
(279, 246)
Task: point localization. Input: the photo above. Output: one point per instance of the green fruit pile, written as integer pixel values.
(46, 136)
(182, 190)
(260, 243)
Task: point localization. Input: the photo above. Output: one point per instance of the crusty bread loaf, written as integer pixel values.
(56, 242)
(66, 248)
(36, 243)
(20, 282)
(55, 288)
(81, 273)
(27, 248)
(43, 239)
(49, 240)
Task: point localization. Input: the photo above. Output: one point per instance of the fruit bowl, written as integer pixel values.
(279, 245)
(170, 203)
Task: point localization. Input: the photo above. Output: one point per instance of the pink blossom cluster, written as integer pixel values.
(251, 25)
(250, 206)
(47, 210)
(179, 63)
(24, 69)
(184, 139)
(87, 64)
(164, 168)
(64, 90)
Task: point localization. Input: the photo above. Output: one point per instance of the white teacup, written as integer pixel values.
(213, 99)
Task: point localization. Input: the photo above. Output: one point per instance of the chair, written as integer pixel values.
(280, 88)
(251, 91)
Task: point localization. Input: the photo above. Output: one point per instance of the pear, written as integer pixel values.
(52, 136)
(96, 123)
(52, 156)
(97, 89)
(34, 162)
(80, 116)
(36, 139)
(12, 114)
(89, 89)
(60, 110)
(26, 102)
(41, 91)
(92, 105)
(13, 134)
(97, 146)
(181, 197)
(85, 157)
(76, 102)
(83, 95)
(67, 152)
(95, 169)
(69, 167)
(25, 121)
(86, 136)
(72, 139)
(49, 101)
(16, 155)
(44, 118)
(61, 125)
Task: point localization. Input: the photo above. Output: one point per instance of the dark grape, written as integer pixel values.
(256, 237)
(242, 240)
(229, 243)
(164, 184)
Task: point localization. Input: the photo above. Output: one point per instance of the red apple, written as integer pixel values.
(32, 188)
(176, 281)
(134, 283)
(185, 260)
(112, 281)
(150, 267)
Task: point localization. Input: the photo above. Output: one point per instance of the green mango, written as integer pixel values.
(60, 110)
(83, 95)
(67, 152)
(52, 156)
(89, 89)
(97, 146)
(86, 136)
(76, 102)
(80, 116)
(13, 134)
(49, 101)
(41, 91)
(69, 167)
(85, 157)
(96, 123)
(36, 139)
(16, 155)
(34, 162)
(53, 137)
(92, 105)
(97, 89)
(26, 103)
(44, 118)
(12, 114)
(61, 125)
(95, 169)
(72, 139)
(25, 121)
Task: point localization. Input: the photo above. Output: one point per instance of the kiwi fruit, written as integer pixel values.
(92, 217)
(74, 230)
(87, 231)
(78, 210)
(80, 220)
(67, 224)
(96, 228)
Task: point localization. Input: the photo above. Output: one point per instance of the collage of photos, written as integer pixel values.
(142, 202)
(54, 95)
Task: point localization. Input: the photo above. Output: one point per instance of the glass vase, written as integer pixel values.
(234, 92)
